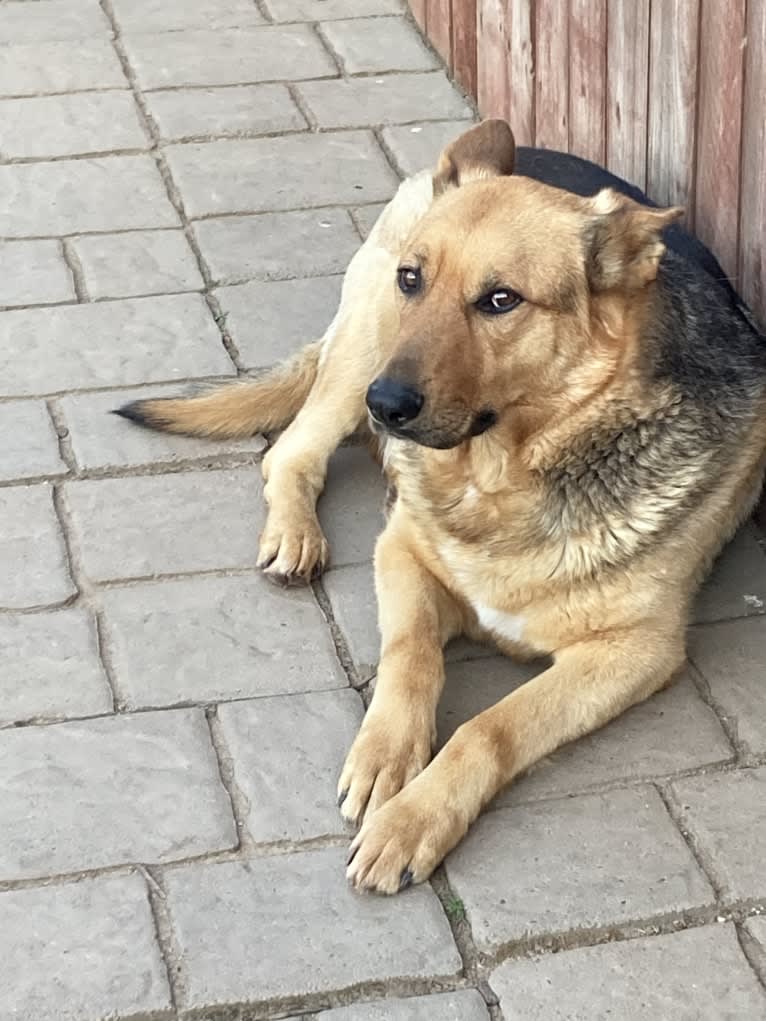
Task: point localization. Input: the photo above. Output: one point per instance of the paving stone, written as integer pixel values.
(240, 110)
(116, 343)
(87, 122)
(366, 217)
(379, 44)
(81, 951)
(161, 16)
(163, 524)
(52, 20)
(596, 861)
(210, 639)
(756, 930)
(34, 273)
(73, 196)
(49, 667)
(35, 570)
(234, 56)
(307, 243)
(288, 753)
(737, 584)
(101, 440)
(351, 507)
(297, 171)
(48, 67)
(392, 99)
(465, 1005)
(724, 813)
(693, 975)
(324, 10)
(418, 146)
(93, 793)
(238, 943)
(730, 658)
(137, 263)
(269, 321)
(30, 446)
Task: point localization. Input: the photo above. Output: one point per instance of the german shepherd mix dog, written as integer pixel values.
(570, 402)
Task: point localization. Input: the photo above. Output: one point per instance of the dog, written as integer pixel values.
(569, 399)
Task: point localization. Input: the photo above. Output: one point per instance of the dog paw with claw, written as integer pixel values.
(293, 552)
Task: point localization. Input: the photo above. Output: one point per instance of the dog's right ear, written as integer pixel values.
(487, 150)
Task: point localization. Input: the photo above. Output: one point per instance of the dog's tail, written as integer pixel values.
(236, 409)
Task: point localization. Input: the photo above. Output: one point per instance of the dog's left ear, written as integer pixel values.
(487, 150)
(623, 241)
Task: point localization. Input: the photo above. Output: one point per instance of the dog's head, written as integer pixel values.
(511, 294)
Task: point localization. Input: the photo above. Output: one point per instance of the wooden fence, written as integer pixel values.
(670, 94)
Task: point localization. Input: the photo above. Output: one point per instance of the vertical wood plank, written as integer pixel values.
(521, 70)
(753, 206)
(439, 22)
(418, 8)
(587, 79)
(552, 74)
(672, 102)
(492, 59)
(627, 79)
(722, 32)
(464, 18)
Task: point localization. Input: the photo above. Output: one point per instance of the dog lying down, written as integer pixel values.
(569, 403)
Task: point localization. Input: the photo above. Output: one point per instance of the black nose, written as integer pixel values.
(393, 403)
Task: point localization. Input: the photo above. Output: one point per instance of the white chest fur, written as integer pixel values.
(506, 625)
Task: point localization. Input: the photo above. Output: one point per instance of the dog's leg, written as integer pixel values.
(417, 616)
(587, 686)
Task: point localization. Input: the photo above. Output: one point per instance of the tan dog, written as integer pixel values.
(573, 418)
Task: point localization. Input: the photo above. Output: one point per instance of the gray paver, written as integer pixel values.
(297, 171)
(737, 584)
(49, 67)
(34, 273)
(137, 263)
(418, 146)
(87, 122)
(163, 524)
(465, 1005)
(694, 975)
(161, 16)
(288, 753)
(269, 321)
(593, 861)
(80, 951)
(312, 242)
(52, 20)
(49, 667)
(239, 944)
(210, 639)
(367, 216)
(724, 813)
(351, 507)
(234, 56)
(379, 44)
(391, 99)
(92, 793)
(32, 552)
(756, 931)
(72, 196)
(101, 440)
(30, 446)
(116, 343)
(239, 110)
(323, 10)
(731, 657)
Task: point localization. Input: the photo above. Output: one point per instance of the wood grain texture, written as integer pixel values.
(521, 70)
(587, 79)
(672, 102)
(752, 260)
(552, 74)
(418, 8)
(627, 81)
(439, 23)
(492, 59)
(464, 17)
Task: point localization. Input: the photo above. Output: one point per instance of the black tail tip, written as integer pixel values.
(134, 412)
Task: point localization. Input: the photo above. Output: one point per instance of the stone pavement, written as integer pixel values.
(181, 185)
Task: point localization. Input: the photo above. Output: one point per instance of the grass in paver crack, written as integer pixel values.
(455, 909)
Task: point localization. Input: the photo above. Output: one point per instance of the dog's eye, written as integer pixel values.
(499, 301)
(410, 280)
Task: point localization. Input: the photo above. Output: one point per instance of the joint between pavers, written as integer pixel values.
(240, 806)
(457, 918)
(264, 12)
(388, 153)
(752, 951)
(697, 852)
(727, 723)
(74, 557)
(336, 634)
(72, 259)
(164, 933)
(103, 644)
(303, 109)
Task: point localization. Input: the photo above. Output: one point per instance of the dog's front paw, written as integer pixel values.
(404, 841)
(293, 548)
(388, 752)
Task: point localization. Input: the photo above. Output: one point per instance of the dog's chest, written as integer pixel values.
(505, 626)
